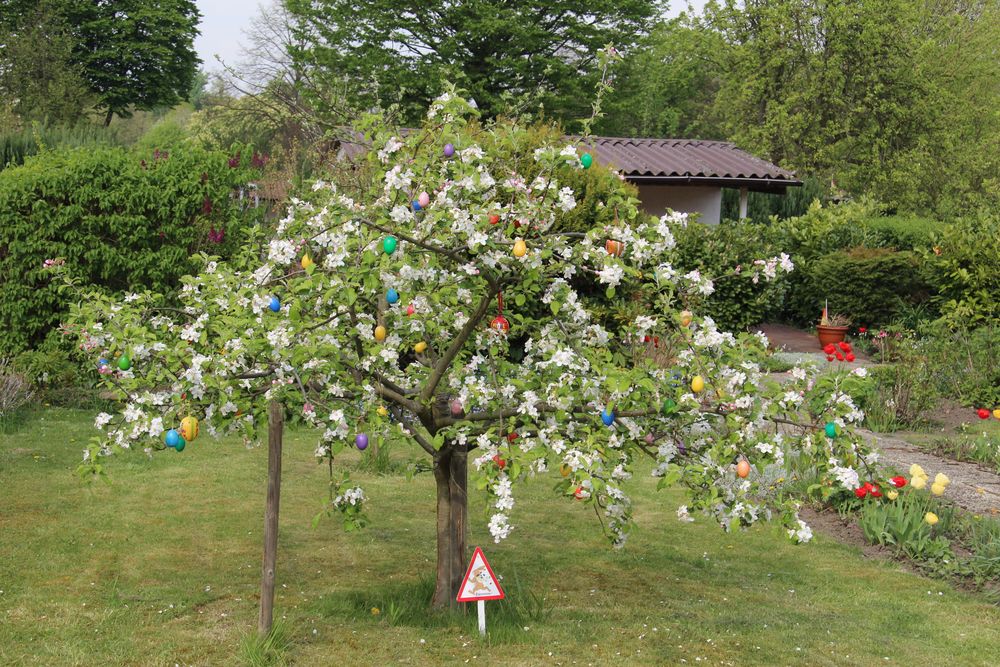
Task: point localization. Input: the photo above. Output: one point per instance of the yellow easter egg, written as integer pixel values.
(380, 333)
(382, 411)
(686, 318)
(565, 470)
(697, 384)
(420, 347)
(996, 413)
(520, 248)
(307, 262)
(189, 428)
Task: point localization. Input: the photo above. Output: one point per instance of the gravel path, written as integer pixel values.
(972, 486)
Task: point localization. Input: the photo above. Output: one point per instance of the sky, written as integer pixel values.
(223, 21)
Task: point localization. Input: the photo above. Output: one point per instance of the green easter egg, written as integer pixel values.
(586, 160)
(831, 430)
(124, 362)
(389, 244)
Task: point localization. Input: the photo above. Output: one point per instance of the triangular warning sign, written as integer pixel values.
(480, 583)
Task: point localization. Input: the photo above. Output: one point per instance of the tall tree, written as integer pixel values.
(136, 54)
(502, 52)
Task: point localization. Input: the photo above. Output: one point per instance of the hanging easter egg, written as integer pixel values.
(565, 470)
(686, 318)
(410, 309)
(424, 199)
(274, 304)
(608, 417)
(501, 463)
(743, 469)
(586, 160)
(420, 347)
(983, 413)
(512, 436)
(181, 444)
(361, 441)
(380, 333)
(382, 411)
(520, 248)
(189, 428)
(392, 296)
(449, 150)
(669, 406)
(500, 324)
(580, 494)
(831, 430)
(614, 248)
(171, 438)
(389, 245)
(456, 407)
(307, 262)
(996, 413)
(697, 384)
(650, 438)
(124, 363)
(416, 205)
(494, 219)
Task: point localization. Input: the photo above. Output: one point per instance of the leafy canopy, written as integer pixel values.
(328, 338)
(502, 52)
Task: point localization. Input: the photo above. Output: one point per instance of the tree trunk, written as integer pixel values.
(107, 118)
(451, 477)
(275, 429)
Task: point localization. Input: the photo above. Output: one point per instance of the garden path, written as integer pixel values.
(973, 487)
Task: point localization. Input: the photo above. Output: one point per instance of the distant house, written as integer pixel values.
(688, 174)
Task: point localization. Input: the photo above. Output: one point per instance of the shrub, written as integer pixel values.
(868, 285)
(15, 390)
(119, 219)
(962, 267)
(965, 362)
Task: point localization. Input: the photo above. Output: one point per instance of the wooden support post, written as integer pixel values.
(275, 429)
(744, 195)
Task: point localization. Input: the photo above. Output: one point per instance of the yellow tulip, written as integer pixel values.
(892, 495)
(697, 384)
(931, 518)
(520, 248)
(420, 347)
(918, 482)
(942, 479)
(917, 471)
(937, 489)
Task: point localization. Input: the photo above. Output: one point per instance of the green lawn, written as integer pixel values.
(161, 566)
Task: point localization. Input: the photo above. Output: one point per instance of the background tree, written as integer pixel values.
(502, 52)
(378, 310)
(135, 54)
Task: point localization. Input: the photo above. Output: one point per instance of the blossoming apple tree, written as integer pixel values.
(443, 302)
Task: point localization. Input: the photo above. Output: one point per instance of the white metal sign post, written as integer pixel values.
(480, 585)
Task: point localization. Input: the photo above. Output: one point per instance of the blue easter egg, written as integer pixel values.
(416, 205)
(607, 418)
(172, 438)
(103, 362)
(392, 296)
(275, 304)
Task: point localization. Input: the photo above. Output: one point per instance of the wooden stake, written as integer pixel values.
(275, 429)
(482, 617)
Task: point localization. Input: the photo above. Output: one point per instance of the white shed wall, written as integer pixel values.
(707, 201)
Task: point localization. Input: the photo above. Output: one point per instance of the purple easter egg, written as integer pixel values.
(650, 439)
(449, 150)
(456, 407)
(361, 440)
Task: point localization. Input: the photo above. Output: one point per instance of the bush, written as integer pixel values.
(15, 390)
(963, 267)
(966, 362)
(868, 285)
(118, 219)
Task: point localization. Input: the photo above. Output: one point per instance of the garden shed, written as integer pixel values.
(689, 174)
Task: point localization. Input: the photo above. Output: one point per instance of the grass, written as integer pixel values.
(161, 566)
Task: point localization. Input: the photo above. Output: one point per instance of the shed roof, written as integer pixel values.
(689, 161)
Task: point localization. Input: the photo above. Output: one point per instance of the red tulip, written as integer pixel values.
(844, 345)
(869, 486)
(898, 481)
(862, 329)
(861, 492)
(850, 356)
(829, 357)
(840, 355)
(876, 492)
(829, 348)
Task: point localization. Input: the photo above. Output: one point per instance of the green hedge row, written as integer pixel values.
(119, 219)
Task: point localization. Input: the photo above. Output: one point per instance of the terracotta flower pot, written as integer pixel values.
(828, 334)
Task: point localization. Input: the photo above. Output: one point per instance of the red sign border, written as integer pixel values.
(468, 573)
